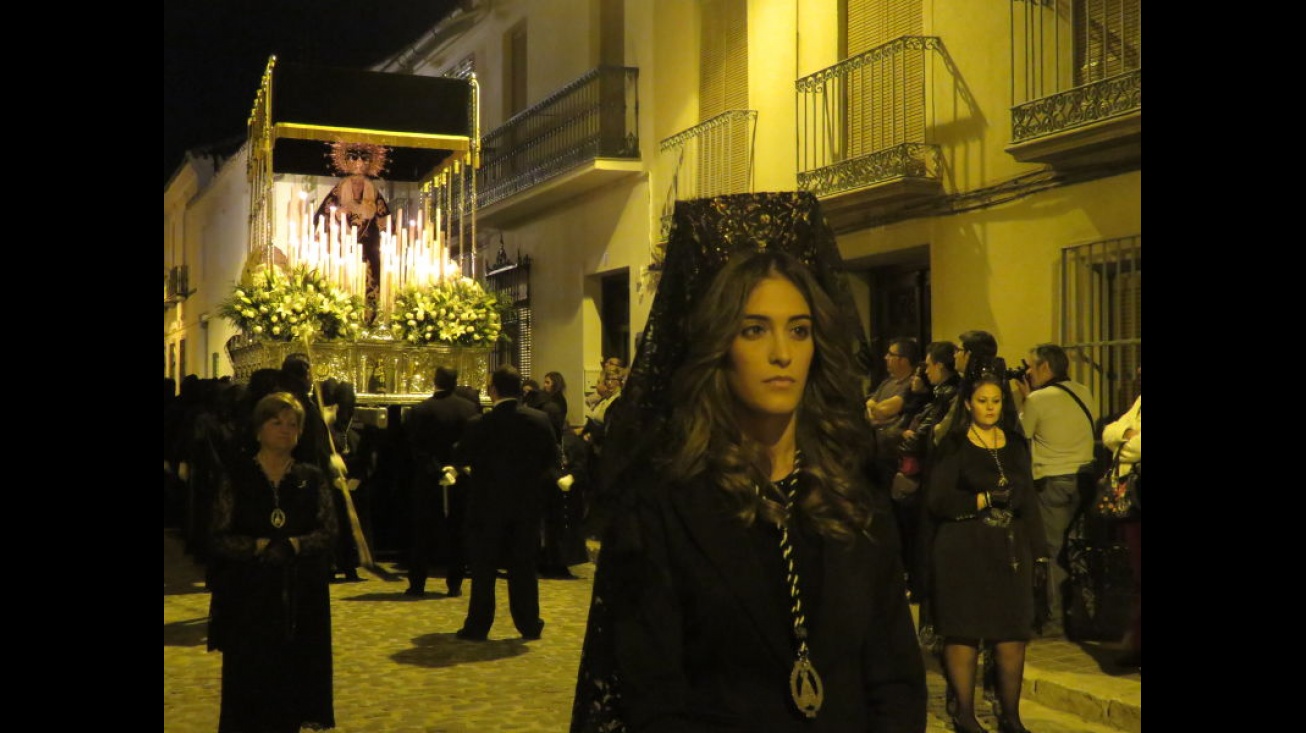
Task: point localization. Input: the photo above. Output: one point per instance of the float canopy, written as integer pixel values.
(425, 120)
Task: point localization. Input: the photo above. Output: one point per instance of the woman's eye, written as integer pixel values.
(801, 332)
(752, 330)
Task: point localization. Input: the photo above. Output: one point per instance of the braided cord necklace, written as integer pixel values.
(996, 516)
(805, 684)
(1002, 475)
(278, 517)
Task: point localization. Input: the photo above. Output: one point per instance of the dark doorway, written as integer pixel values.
(614, 312)
(899, 291)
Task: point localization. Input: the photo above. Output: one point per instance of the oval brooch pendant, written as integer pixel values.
(278, 518)
(806, 688)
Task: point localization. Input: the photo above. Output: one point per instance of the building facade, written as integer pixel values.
(980, 164)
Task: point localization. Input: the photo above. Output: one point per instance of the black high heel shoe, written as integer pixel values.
(1006, 726)
(959, 728)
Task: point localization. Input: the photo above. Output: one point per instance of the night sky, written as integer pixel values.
(215, 51)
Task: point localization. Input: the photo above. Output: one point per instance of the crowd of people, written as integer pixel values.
(275, 482)
(765, 522)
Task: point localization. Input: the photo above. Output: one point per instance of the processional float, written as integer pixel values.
(363, 185)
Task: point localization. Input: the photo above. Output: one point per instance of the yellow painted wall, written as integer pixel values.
(772, 69)
(998, 268)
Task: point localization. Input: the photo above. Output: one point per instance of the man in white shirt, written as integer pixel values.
(607, 366)
(1058, 416)
(609, 389)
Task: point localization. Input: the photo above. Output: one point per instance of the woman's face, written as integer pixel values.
(280, 432)
(985, 405)
(548, 384)
(772, 350)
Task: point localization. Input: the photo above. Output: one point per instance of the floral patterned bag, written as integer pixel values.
(1117, 498)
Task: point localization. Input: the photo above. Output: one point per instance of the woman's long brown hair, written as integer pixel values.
(831, 434)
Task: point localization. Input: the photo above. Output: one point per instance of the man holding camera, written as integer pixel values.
(1058, 417)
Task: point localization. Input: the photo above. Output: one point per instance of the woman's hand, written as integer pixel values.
(279, 551)
(997, 498)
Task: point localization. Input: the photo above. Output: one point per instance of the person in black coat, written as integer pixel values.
(433, 427)
(510, 453)
(748, 580)
(273, 533)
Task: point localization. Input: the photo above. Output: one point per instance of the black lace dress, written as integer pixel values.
(272, 621)
(981, 572)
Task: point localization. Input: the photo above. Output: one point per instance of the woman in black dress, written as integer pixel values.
(746, 582)
(274, 529)
(987, 538)
(554, 401)
(564, 509)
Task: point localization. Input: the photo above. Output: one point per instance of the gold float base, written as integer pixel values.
(383, 371)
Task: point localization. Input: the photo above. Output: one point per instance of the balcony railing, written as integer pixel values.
(176, 284)
(712, 158)
(1074, 65)
(1077, 107)
(595, 116)
(865, 120)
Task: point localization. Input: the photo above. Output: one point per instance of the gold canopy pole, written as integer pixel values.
(474, 160)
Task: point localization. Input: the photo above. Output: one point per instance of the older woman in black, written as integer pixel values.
(274, 528)
(746, 583)
(979, 494)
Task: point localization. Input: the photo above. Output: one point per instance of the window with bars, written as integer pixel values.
(511, 282)
(1102, 319)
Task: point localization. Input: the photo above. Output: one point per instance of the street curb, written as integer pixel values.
(1117, 704)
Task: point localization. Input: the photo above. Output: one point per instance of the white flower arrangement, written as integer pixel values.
(456, 311)
(299, 305)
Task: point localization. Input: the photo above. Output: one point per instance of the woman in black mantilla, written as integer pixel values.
(274, 528)
(746, 582)
(986, 541)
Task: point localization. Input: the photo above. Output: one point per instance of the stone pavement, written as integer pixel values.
(399, 668)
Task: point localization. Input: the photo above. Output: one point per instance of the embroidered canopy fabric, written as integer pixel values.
(423, 119)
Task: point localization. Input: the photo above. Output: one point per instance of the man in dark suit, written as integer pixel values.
(433, 426)
(511, 453)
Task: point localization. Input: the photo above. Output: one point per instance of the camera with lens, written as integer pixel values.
(1018, 372)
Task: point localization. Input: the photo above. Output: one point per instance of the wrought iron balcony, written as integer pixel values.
(1078, 85)
(712, 158)
(864, 131)
(590, 119)
(1119, 95)
(176, 285)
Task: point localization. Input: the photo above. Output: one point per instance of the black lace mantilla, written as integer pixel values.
(705, 233)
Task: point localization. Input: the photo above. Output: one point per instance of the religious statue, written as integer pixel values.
(364, 206)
